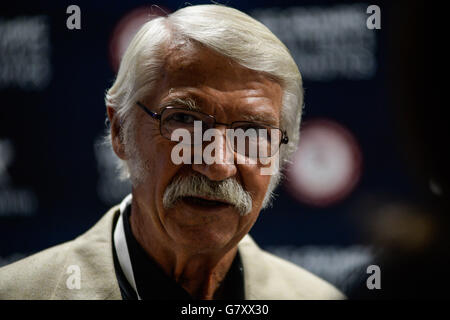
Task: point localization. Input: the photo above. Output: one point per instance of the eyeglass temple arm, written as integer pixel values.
(152, 114)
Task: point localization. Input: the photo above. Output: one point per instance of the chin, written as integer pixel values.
(204, 242)
(202, 229)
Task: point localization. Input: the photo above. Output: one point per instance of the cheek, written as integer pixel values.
(154, 149)
(155, 154)
(254, 182)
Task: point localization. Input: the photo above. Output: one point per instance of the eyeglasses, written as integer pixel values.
(248, 138)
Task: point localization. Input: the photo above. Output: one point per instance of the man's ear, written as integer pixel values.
(116, 137)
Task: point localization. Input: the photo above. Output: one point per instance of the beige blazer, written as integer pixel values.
(45, 275)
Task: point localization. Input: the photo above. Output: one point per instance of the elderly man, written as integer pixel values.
(182, 233)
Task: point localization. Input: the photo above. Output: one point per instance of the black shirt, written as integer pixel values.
(154, 284)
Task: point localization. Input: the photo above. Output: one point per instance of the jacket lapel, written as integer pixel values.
(91, 254)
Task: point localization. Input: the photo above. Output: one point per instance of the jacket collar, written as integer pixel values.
(92, 253)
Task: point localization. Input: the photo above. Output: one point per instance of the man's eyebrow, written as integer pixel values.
(189, 103)
(267, 118)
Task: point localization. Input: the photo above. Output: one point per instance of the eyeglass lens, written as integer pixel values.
(247, 138)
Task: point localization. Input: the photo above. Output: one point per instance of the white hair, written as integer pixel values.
(225, 30)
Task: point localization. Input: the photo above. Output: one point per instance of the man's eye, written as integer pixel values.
(183, 118)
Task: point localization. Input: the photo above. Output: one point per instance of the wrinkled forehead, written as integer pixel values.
(189, 64)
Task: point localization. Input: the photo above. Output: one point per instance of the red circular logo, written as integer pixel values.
(326, 166)
(126, 29)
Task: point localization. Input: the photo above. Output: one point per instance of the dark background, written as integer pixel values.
(53, 130)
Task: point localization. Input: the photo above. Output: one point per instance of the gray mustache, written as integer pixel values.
(228, 190)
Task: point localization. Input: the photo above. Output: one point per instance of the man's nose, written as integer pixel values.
(223, 162)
